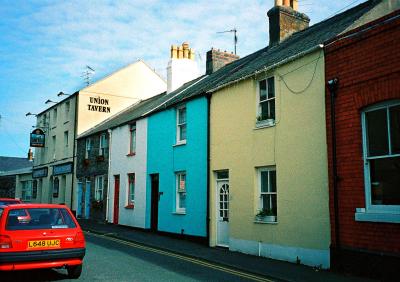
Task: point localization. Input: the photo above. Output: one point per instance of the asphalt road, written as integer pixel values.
(110, 259)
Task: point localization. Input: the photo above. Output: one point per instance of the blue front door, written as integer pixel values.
(79, 212)
(87, 200)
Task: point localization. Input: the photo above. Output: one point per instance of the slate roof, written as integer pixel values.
(300, 42)
(138, 110)
(13, 163)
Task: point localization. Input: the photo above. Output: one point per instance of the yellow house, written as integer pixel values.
(268, 154)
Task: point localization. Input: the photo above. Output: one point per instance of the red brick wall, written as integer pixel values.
(368, 67)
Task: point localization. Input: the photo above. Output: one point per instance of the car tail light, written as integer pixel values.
(5, 242)
(79, 238)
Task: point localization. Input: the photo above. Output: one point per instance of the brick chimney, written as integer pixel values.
(181, 67)
(284, 19)
(216, 59)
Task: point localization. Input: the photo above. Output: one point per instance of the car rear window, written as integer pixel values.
(39, 218)
(8, 202)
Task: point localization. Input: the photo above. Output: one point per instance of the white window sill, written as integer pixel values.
(258, 221)
(179, 213)
(265, 123)
(266, 219)
(180, 143)
(363, 215)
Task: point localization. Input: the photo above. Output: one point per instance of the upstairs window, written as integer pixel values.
(181, 192)
(67, 106)
(266, 101)
(103, 144)
(55, 116)
(54, 146)
(132, 139)
(381, 138)
(88, 147)
(181, 125)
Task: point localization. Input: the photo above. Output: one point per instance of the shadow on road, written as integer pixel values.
(33, 275)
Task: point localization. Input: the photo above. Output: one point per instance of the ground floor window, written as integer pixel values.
(267, 209)
(26, 191)
(181, 192)
(56, 187)
(131, 189)
(34, 189)
(381, 138)
(99, 187)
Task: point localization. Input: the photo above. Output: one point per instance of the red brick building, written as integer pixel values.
(363, 75)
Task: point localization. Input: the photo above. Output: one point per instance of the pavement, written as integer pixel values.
(269, 268)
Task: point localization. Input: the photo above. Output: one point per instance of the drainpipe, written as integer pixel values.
(208, 169)
(73, 152)
(109, 131)
(333, 86)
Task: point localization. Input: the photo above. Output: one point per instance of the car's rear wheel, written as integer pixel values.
(74, 271)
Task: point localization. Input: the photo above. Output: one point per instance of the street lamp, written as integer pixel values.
(30, 114)
(50, 101)
(63, 94)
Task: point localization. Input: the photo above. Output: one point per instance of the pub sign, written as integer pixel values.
(37, 138)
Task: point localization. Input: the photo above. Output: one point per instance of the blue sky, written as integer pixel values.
(45, 45)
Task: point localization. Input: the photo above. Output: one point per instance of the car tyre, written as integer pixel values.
(74, 271)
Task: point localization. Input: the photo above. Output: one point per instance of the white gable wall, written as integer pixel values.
(121, 165)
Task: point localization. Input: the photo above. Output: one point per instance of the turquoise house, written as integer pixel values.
(177, 167)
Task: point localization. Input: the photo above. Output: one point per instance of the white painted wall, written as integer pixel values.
(180, 71)
(121, 164)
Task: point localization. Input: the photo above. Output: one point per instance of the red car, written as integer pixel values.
(36, 236)
(9, 201)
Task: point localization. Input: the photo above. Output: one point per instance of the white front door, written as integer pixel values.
(223, 213)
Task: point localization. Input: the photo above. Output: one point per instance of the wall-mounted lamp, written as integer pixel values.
(63, 94)
(50, 101)
(30, 114)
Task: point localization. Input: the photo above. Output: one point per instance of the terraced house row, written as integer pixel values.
(251, 156)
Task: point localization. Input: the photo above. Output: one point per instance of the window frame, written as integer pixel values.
(88, 147)
(366, 159)
(97, 188)
(103, 144)
(130, 201)
(179, 125)
(259, 120)
(55, 113)
(178, 209)
(34, 188)
(26, 189)
(132, 139)
(56, 188)
(67, 109)
(261, 193)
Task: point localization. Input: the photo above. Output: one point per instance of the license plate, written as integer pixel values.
(44, 244)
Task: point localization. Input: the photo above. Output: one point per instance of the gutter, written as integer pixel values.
(268, 68)
(162, 104)
(333, 86)
(73, 152)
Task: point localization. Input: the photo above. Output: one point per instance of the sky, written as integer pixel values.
(45, 45)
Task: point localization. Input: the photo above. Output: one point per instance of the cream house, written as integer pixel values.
(54, 164)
